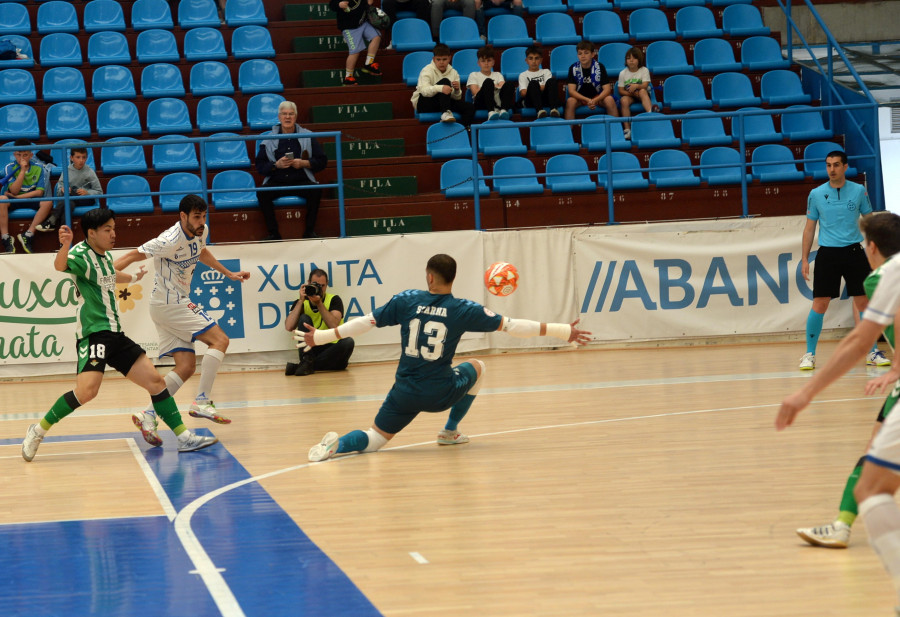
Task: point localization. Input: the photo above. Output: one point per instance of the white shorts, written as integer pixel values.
(885, 450)
(178, 325)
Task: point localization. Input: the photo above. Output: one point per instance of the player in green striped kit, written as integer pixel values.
(100, 340)
(882, 232)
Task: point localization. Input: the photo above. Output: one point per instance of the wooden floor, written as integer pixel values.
(597, 482)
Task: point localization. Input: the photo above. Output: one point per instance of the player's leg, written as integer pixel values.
(217, 342)
(395, 414)
(470, 374)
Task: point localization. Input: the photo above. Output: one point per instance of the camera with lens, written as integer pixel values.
(312, 289)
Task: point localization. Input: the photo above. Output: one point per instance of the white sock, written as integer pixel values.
(882, 518)
(209, 367)
(173, 383)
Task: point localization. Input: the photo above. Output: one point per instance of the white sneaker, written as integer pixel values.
(542, 113)
(833, 535)
(31, 443)
(451, 438)
(808, 362)
(205, 408)
(326, 448)
(627, 133)
(493, 115)
(448, 116)
(194, 441)
(504, 114)
(877, 358)
(146, 423)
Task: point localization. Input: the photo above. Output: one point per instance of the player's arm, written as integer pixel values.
(124, 277)
(525, 328)
(128, 258)
(809, 232)
(207, 258)
(354, 327)
(60, 263)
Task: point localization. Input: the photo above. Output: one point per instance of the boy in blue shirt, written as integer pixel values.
(22, 180)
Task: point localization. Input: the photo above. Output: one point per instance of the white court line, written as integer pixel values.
(418, 557)
(154, 482)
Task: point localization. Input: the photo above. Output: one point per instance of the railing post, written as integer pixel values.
(476, 177)
(338, 160)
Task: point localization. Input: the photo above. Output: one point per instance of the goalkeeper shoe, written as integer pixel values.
(146, 423)
(832, 535)
(451, 438)
(205, 408)
(326, 448)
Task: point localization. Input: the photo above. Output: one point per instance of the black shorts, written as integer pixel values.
(102, 348)
(834, 263)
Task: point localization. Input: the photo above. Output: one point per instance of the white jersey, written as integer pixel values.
(174, 257)
(886, 300)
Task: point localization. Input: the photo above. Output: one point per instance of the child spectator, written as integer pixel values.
(634, 85)
(82, 181)
(438, 89)
(489, 90)
(537, 86)
(588, 84)
(515, 6)
(356, 29)
(22, 180)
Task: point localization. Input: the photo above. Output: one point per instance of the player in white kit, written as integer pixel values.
(179, 321)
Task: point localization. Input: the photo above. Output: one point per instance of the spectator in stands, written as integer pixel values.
(323, 311)
(82, 181)
(438, 89)
(437, 13)
(634, 85)
(537, 86)
(515, 6)
(588, 84)
(488, 88)
(356, 30)
(422, 9)
(23, 181)
(290, 163)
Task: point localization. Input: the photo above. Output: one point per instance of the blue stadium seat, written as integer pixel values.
(413, 63)
(762, 53)
(245, 13)
(512, 63)
(60, 155)
(629, 176)
(536, 7)
(156, 46)
(671, 178)
(806, 126)
(161, 79)
(593, 135)
(226, 154)
(103, 16)
(168, 115)
(447, 140)
(715, 56)
(561, 58)
(118, 118)
(169, 156)
(743, 20)
(677, 4)
(774, 163)
(465, 61)
(696, 22)
(528, 185)
(63, 83)
(612, 56)
(730, 2)
(252, 42)
(501, 141)
(733, 90)
(649, 25)
(653, 130)
(715, 176)
(817, 152)
(122, 159)
(685, 92)
(18, 121)
(139, 202)
(782, 87)
(603, 27)
(556, 29)
(757, 128)
(210, 77)
(112, 82)
(569, 184)
(218, 113)
(460, 33)
(457, 181)
(204, 44)
(258, 75)
(507, 31)
(704, 130)
(184, 183)
(552, 137)
(198, 14)
(67, 119)
(17, 86)
(631, 5)
(234, 179)
(147, 14)
(585, 6)
(667, 58)
(262, 110)
(108, 47)
(60, 49)
(411, 35)
(24, 46)
(15, 19)
(57, 16)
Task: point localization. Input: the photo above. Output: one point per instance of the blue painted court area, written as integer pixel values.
(234, 553)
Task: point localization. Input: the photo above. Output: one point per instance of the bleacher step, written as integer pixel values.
(354, 112)
(368, 149)
(388, 186)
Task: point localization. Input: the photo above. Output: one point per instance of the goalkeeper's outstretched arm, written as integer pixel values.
(525, 328)
(312, 337)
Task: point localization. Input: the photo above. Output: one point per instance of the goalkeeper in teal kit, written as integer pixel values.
(431, 324)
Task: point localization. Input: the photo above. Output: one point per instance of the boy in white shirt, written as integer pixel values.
(489, 90)
(634, 85)
(438, 89)
(537, 86)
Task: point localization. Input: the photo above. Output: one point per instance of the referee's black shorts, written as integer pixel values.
(834, 263)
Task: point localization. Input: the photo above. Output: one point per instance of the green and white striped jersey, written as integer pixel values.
(869, 285)
(95, 279)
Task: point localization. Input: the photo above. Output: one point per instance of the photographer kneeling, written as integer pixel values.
(323, 311)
